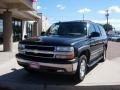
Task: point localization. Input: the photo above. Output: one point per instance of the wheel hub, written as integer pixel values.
(82, 68)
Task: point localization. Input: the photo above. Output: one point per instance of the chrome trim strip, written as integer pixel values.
(96, 51)
(38, 51)
(67, 67)
(47, 52)
(39, 45)
(40, 56)
(90, 65)
(83, 47)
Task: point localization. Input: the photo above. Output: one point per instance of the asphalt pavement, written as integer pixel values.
(113, 50)
(105, 75)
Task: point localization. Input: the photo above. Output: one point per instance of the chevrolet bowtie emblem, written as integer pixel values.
(36, 51)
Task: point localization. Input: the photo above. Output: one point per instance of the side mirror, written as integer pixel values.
(42, 33)
(94, 34)
(26, 36)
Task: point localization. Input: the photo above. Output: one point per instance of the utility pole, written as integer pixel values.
(107, 17)
(83, 17)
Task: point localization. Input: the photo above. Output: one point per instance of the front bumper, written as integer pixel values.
(64, 67)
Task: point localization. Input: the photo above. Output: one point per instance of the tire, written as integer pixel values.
(104, 55)
(81, 69)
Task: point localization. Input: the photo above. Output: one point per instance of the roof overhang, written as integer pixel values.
(33, 14)
(22, 9)
(17, 4)
(26, 15)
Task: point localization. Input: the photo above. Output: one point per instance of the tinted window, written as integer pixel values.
(68, 29)
(102, 30)
(91, 29)
(97, 29)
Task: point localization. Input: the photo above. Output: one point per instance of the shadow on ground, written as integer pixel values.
(21, 80)
(21, 76)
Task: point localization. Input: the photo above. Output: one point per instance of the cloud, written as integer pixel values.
(112, 9)
(61, 7)
(102, 11)
(115, 9)
(84, 10)
(39, 7)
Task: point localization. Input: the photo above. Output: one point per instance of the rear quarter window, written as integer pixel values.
(102, 30)
(97, 29)
(90, 28)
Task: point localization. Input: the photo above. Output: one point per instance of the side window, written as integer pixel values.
(102, 30)
(97, 29)
(90, 29)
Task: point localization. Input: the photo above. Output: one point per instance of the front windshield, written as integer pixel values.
(68, 29)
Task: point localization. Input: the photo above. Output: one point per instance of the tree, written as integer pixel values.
(110, 27)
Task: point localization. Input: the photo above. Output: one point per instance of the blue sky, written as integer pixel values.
(67, 10)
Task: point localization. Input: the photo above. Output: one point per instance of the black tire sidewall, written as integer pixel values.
(104, 53)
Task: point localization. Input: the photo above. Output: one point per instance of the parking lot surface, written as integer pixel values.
(103, 76)
(113, 50)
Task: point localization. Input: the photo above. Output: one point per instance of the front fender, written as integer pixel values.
(83, 48)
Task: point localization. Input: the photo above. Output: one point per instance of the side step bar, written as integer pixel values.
(94, 62)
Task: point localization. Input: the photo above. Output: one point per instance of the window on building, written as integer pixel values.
(17, 30)
(1, 30)
(29, 29)
(1, 26)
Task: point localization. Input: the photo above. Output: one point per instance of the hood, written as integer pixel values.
(56, 40)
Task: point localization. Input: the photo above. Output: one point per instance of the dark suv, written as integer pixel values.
(69, 47)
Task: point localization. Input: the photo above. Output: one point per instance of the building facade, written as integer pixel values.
(43, 23)
(17, 19)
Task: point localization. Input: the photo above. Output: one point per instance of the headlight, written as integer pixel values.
(21, 46)
(65, 49)
(65, 53)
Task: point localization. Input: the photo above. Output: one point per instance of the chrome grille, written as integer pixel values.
(40, 51)
(39, 47)
(39, 54)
